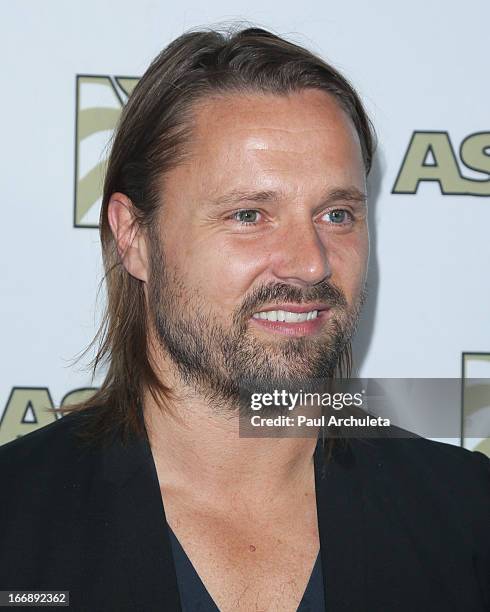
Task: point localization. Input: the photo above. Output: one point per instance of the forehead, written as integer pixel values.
(273, 138)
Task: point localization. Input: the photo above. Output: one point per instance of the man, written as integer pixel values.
(235, 241)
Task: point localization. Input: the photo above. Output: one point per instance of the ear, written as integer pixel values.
(130, 241)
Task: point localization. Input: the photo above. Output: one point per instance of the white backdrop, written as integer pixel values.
(420, 66)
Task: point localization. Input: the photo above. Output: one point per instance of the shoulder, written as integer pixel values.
(47, 482)
(428, 473)
(421, 456)
(418, 476)
(59, 433)
(420, 508)
(52, 454)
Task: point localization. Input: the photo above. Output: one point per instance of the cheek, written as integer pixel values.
(348, 257)
(221, 272)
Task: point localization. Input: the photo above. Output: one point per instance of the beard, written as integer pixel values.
(223, 361)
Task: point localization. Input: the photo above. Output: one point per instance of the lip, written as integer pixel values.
(305, 328)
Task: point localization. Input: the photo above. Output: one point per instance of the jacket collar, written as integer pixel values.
(131, 488)
(341, 524)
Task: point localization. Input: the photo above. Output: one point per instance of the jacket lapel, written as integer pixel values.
(145, 561)
(341, 525)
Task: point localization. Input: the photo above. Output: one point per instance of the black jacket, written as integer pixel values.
(404, 524)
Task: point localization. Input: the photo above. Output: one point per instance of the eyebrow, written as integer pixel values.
(235, 196)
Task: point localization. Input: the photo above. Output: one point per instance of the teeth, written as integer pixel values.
(291, 317)
(286, 316)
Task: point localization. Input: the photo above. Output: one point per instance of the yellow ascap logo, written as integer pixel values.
(430, 157)
(27, 409)
(475, 402)
(99, 100)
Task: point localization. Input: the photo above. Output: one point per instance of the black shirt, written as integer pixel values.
(194, 596)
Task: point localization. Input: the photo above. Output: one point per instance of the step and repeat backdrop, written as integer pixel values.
(421, 69)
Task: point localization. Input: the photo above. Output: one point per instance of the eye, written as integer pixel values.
(246, 217)
(339, 216)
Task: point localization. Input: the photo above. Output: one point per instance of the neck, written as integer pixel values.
(199, 450)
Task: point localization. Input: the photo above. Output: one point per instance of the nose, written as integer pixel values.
(300, 256)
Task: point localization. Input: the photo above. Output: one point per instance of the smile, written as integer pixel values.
(286, 316)
(293, 320)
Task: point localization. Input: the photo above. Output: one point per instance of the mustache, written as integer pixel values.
(325, 292)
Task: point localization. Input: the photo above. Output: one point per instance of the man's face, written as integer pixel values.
(266, 216)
